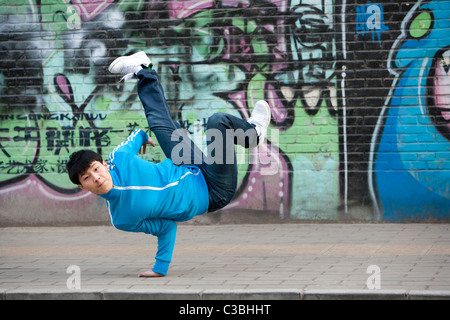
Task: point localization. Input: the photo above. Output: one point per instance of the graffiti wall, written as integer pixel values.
(359, 93)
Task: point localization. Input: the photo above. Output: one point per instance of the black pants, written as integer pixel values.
(223, 131)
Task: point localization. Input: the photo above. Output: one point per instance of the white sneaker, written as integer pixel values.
(260, 118)
(128, 66)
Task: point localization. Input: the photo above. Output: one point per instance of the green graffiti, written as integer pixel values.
(420, 25)
(212, 60)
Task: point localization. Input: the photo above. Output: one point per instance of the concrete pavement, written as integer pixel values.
(252, 261)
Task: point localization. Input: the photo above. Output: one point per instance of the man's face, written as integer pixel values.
(96, 179)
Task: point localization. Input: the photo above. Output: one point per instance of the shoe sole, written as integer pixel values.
(263, 135)
(118, 60)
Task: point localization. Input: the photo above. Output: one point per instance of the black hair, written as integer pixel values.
(79, 163)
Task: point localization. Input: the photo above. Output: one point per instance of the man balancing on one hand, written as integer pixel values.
(142, 196)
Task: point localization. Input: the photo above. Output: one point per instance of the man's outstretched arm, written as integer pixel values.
(137, 139)
(166, 231)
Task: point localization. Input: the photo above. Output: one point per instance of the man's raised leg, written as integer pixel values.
(173, 140)
(220, 167)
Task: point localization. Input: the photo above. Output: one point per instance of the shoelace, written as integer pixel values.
(127, 77)
(131, 75)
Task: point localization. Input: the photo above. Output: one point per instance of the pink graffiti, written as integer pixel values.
(89, 9)
(180, 9)
(32, 187)
(184, 9)
(265, 187)
(64, 87)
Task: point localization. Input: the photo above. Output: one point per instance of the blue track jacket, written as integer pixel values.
(149, 198)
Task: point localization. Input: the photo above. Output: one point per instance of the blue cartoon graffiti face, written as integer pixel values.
(424, 54)
(411, 167)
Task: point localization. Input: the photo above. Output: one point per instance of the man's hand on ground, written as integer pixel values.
(149, 274)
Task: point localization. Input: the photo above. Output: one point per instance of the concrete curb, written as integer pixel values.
(209, 295)
(345, 294)
(281, 294)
